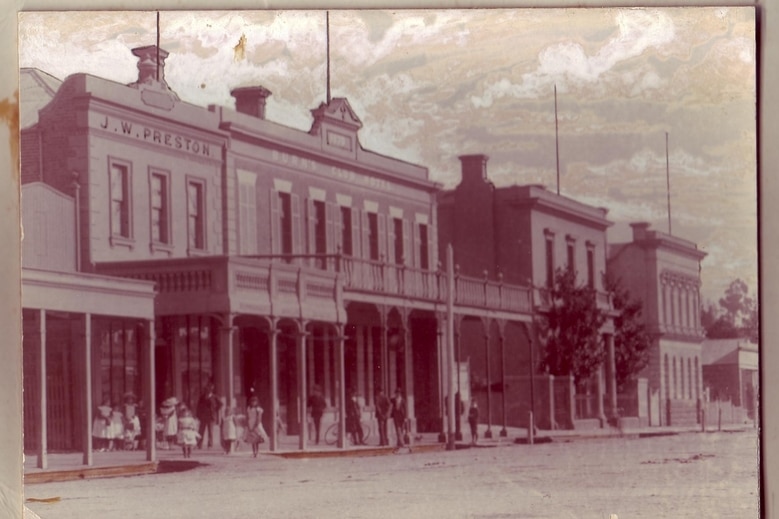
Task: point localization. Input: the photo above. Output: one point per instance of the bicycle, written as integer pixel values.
(331, 434)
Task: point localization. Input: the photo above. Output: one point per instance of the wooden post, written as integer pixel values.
(273, 369)
(340, 383)
(503, 385)
(87, 390)
(301, 340)
(43, 405)
(488, 432)
(149, 393)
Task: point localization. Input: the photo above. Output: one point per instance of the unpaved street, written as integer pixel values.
(689, 475)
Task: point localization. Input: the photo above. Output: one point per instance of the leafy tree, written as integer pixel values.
(737, 315)
(631, 340)
(570, 329)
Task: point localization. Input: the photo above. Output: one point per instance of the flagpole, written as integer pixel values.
(327, 24)
(158, 46)
(668, 182)
(556, 140)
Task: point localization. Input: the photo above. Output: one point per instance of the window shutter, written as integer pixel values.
(408, 254)
(297, 231)
(275, 223)
(382, 224)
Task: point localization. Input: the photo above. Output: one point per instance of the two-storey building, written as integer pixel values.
(280, 259)
(663, 271)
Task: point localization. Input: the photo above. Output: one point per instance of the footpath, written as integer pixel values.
(69, 466)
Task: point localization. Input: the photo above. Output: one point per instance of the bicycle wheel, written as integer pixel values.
(331, 434)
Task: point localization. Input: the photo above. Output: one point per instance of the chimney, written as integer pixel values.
(474, 168)
(251, 100)
(639, 230)
(147, 65)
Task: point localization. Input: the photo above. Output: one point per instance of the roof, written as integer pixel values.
(725, 351)
(36, 89)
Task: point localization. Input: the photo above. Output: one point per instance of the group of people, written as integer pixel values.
(118, 426)
(178, 425)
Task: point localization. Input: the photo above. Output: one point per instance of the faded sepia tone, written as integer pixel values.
(432, 86)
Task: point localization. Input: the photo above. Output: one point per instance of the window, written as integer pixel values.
(591, 266)
(373, 236)
(549, 260)
(397, 225)
(160, 219)
(285, 217)
(346, 231)
(424, 257)
(195, 215)
(120, 200)
(320, 227)
(570, 251)
(247, 212)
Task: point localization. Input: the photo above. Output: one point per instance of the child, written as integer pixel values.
(228, 429)
(473, 421)
(170, 421)
(116, 429)
(187, 432)
(132, 423)
(100, 425)
(255, 434)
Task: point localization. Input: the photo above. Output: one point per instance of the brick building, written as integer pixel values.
(276, 259)
(663, 271)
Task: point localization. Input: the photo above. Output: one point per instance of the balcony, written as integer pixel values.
(307, 286)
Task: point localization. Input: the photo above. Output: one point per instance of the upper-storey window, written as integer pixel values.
(285, 219)
(570, 254)
(120, 200)
(196, 228)
(397, 227)
(247, 215)
(347, 246)
(373, 236)
(591, 265)
(424, 255)
(160, 208)
(549, 250)
(320, 227)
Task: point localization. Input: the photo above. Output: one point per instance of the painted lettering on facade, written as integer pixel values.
(345, 175)
(153, 135)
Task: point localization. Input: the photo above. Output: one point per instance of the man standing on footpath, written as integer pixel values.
(317, 404)
(399, 415)
(208, 408)
(383, 408)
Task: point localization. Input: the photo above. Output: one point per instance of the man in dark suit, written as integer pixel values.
(383, 409)
(316, 402)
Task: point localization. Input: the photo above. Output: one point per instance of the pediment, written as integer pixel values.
(338, 112)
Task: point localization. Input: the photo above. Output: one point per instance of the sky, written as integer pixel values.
(429, 85)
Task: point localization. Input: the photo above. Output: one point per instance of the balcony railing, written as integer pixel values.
(371, 276)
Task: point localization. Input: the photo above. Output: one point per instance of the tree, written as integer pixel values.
(631, 340)
(570, 329)
(736, 317)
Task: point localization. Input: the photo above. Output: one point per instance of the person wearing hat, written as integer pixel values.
(316, 402)
(208, 408)
(399, 415)
(383, 408)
